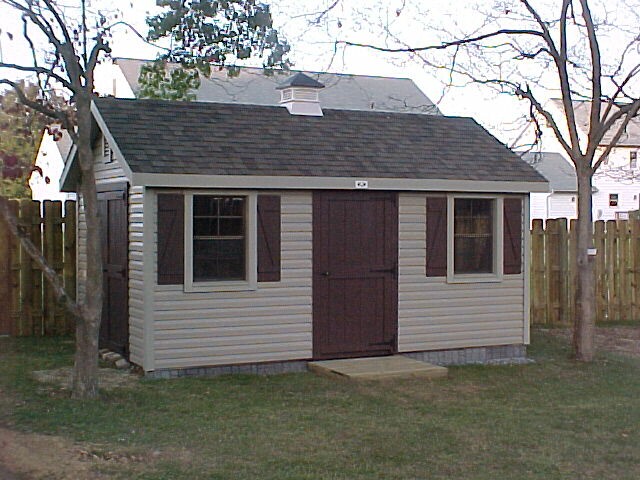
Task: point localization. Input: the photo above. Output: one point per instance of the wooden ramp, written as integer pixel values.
(377, 368)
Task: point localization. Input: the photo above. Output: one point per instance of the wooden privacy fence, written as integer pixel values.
(553, 270)
(27, 304)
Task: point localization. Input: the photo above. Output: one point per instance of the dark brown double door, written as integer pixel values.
(114, 327)
(355, 289)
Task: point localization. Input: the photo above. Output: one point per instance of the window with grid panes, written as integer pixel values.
(219, 239)
(473, 244)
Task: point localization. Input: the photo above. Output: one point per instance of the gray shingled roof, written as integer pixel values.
(229, 139)
(554, 167)
(349, 92)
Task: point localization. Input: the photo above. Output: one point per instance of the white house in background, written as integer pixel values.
(561, 200)
(251, 87)
(46, 185)
(616, 184)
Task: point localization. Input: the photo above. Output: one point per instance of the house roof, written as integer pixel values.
(229, 139)
(555, 168)
(350, 92)
(582, 110)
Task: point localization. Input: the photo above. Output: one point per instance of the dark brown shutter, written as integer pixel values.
(268, 238)
(512, 235)
(170, 239)
(436, 236)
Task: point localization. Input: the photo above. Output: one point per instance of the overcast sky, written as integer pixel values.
(356, 20)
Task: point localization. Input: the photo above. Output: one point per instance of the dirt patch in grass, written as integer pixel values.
(108, 378)
(35, 456)
(622, 340)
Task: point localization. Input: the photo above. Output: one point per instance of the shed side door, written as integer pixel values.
(114, 328)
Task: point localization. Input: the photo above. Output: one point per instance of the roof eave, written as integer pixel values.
(69, 176)
(162, 180)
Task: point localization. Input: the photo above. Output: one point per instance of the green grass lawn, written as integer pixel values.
(551, 420)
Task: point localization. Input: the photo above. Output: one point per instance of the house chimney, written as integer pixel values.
(299, 94)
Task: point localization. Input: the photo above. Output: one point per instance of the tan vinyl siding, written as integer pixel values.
(272, 323)
(136, 275)
(434, 314)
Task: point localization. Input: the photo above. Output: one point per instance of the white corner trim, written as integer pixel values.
(526, 246)
(332, 183)
(148, 226)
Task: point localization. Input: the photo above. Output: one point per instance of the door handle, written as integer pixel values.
(325, 274)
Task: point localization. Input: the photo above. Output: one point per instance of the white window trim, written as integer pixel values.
(107, 151)
(251, 245)
(498, 241)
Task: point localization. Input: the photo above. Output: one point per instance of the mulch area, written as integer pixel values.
(623, 340)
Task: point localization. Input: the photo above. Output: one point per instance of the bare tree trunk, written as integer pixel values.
(85, 372)
(584, 326)
(85, 367)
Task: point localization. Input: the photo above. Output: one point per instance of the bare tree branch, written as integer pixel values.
(100, 46)
(53, 9)
(38, 71)
(443, 45)
(57, 115)
(628, 112)
(596, 71)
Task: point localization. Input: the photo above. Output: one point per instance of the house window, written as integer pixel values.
(613, 199)
(473, 244)
(633, 160)
(219, 238)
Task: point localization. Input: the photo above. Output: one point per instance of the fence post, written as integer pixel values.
(563, 264)
(624, 267)
(52, 234)
(6, 319)
(572, 269)
(601, 272)
(554, 272)
(634, 250)
(69, 258)
(613, 272)
(29, 322)
(14, 249)
(538, 302)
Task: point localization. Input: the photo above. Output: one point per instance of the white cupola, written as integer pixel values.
(299, 94)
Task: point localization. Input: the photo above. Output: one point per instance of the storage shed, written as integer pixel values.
(256, 238)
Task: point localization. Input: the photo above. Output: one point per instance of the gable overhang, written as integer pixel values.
(163, 180)
(71, 173)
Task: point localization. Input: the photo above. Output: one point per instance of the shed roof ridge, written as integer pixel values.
(248, 106)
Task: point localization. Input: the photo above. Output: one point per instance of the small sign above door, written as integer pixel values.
(362, 184)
